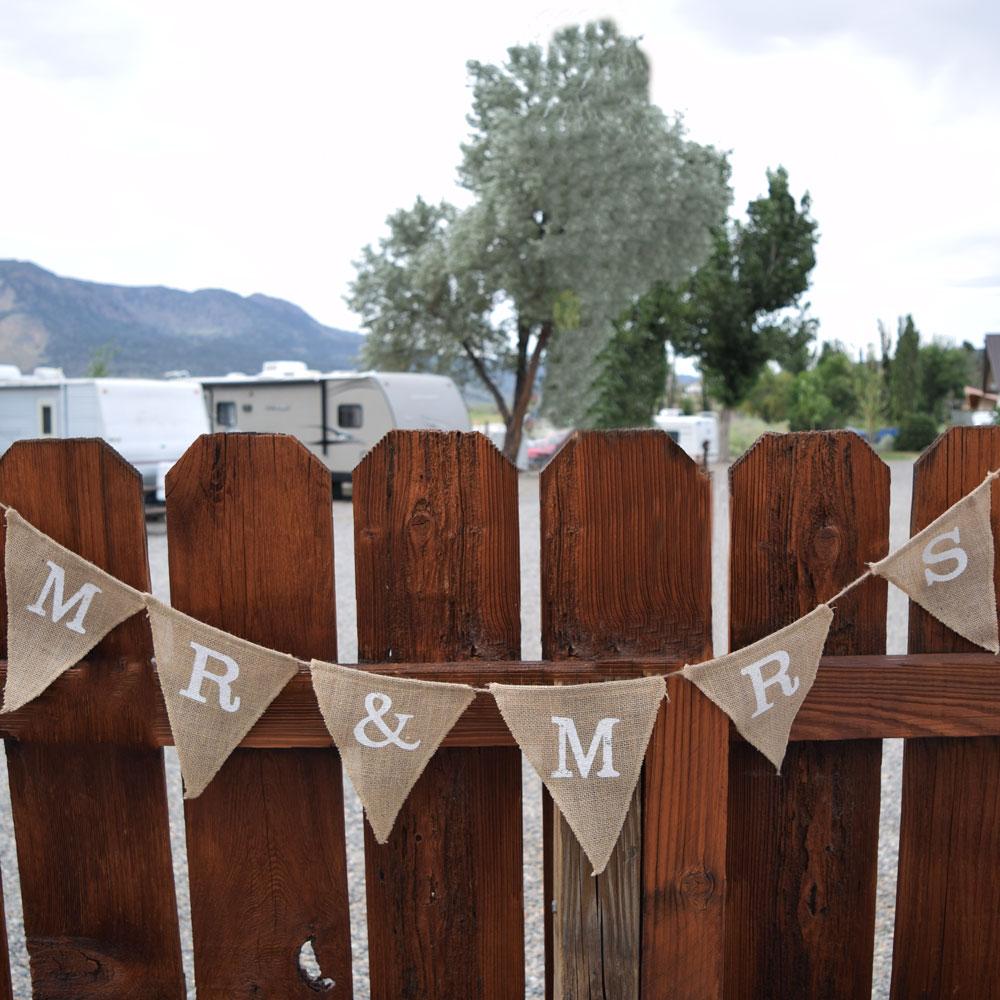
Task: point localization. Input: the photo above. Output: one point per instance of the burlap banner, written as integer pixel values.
(215, 687)
(948, 569)
(587, 743)
(59, 607)
(386, 729)
(762, 687)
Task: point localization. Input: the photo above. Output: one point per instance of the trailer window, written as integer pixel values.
(225, 414)
(45, 419)
(349, 415)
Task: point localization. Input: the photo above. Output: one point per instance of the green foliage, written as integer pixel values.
(944, 373)
(824, 397)
(633, 364)
(584, 194)
(904, 371)
(755, 270)
(769, 398)
(871, 393)
(99, 365)
(916, 432)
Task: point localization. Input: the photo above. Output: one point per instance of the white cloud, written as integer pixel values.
(258, 147)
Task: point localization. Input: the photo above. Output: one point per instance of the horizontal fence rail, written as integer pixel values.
(728, 881)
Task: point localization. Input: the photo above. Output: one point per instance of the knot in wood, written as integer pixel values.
(827, 544)
(698, 887)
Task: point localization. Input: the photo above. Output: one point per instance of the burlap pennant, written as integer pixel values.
(59, 607)
(762, 687)
(948, 569)
(215, 687)
(386, 729)
(587, 743)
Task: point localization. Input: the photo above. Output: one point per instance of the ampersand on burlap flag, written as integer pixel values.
(587, 742)
(215, 687)
(386, 729)
(948, 568)
(761, 687)
(59, 606)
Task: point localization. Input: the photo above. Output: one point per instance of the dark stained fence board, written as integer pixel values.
(807, 512)
(626, 572)
(250, 535)
(947, 934)
(91, 819)
(437, 563)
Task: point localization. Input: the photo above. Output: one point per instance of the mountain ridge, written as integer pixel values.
(46, 319)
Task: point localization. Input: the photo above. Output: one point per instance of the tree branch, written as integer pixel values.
(480, 369)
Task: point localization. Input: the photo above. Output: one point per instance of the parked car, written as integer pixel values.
(541, 450)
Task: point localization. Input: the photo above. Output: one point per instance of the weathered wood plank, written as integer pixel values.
(807, 512)
(436, 553)
(250, 538)
(912, 696)
(947, 935)
(93, 843)
(626, 572)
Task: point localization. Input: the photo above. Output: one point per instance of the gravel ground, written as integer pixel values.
(530, 649)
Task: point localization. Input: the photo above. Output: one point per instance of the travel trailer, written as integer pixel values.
(698, 435)
(338, 416)
(150, 422)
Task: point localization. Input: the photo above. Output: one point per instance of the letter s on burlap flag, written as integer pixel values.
(215, 686)
(948, 569)
(587, 743)
(762, 687)
(59, 606)
(386, 729)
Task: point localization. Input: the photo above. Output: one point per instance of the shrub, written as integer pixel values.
(916, 432)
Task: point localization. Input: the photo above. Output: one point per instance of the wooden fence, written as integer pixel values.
(728, 881)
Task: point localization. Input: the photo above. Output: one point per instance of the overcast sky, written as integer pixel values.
(257, 146)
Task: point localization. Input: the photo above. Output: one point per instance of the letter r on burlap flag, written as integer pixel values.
(948, 569)
(386, 729)
(59, 606)
(215, 687)
(587, 743)
(762, 687)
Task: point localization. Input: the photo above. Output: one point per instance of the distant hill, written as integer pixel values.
(48, 320)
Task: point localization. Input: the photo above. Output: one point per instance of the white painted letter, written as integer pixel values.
(199, 675)
(931, 557)
(789, 685)
(568, 736)
(55, 584)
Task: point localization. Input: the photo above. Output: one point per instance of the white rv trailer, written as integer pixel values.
(150, 422)
(338, 416)
(698, 434)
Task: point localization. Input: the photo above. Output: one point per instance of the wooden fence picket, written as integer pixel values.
(87, 787)
(250, 537)
(626, 573)
(438, 579)
(807, 512)
(947, 933)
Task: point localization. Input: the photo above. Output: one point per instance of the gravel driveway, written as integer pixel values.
(531, 649)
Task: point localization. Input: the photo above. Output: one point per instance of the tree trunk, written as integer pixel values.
(525, 387)
(725, 420)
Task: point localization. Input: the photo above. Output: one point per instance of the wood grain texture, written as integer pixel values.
(250, 543)
(854, 698)
(947, 934)
(91, 819)
(436, 556)
(626, 573)
(807, 512)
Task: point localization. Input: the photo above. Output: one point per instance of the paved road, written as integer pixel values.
(531, 649)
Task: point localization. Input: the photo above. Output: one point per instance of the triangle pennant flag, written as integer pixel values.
(948, 569)
(386, 729)
(587, 743)
(215, 687)
(762, 687)
(59, 606)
